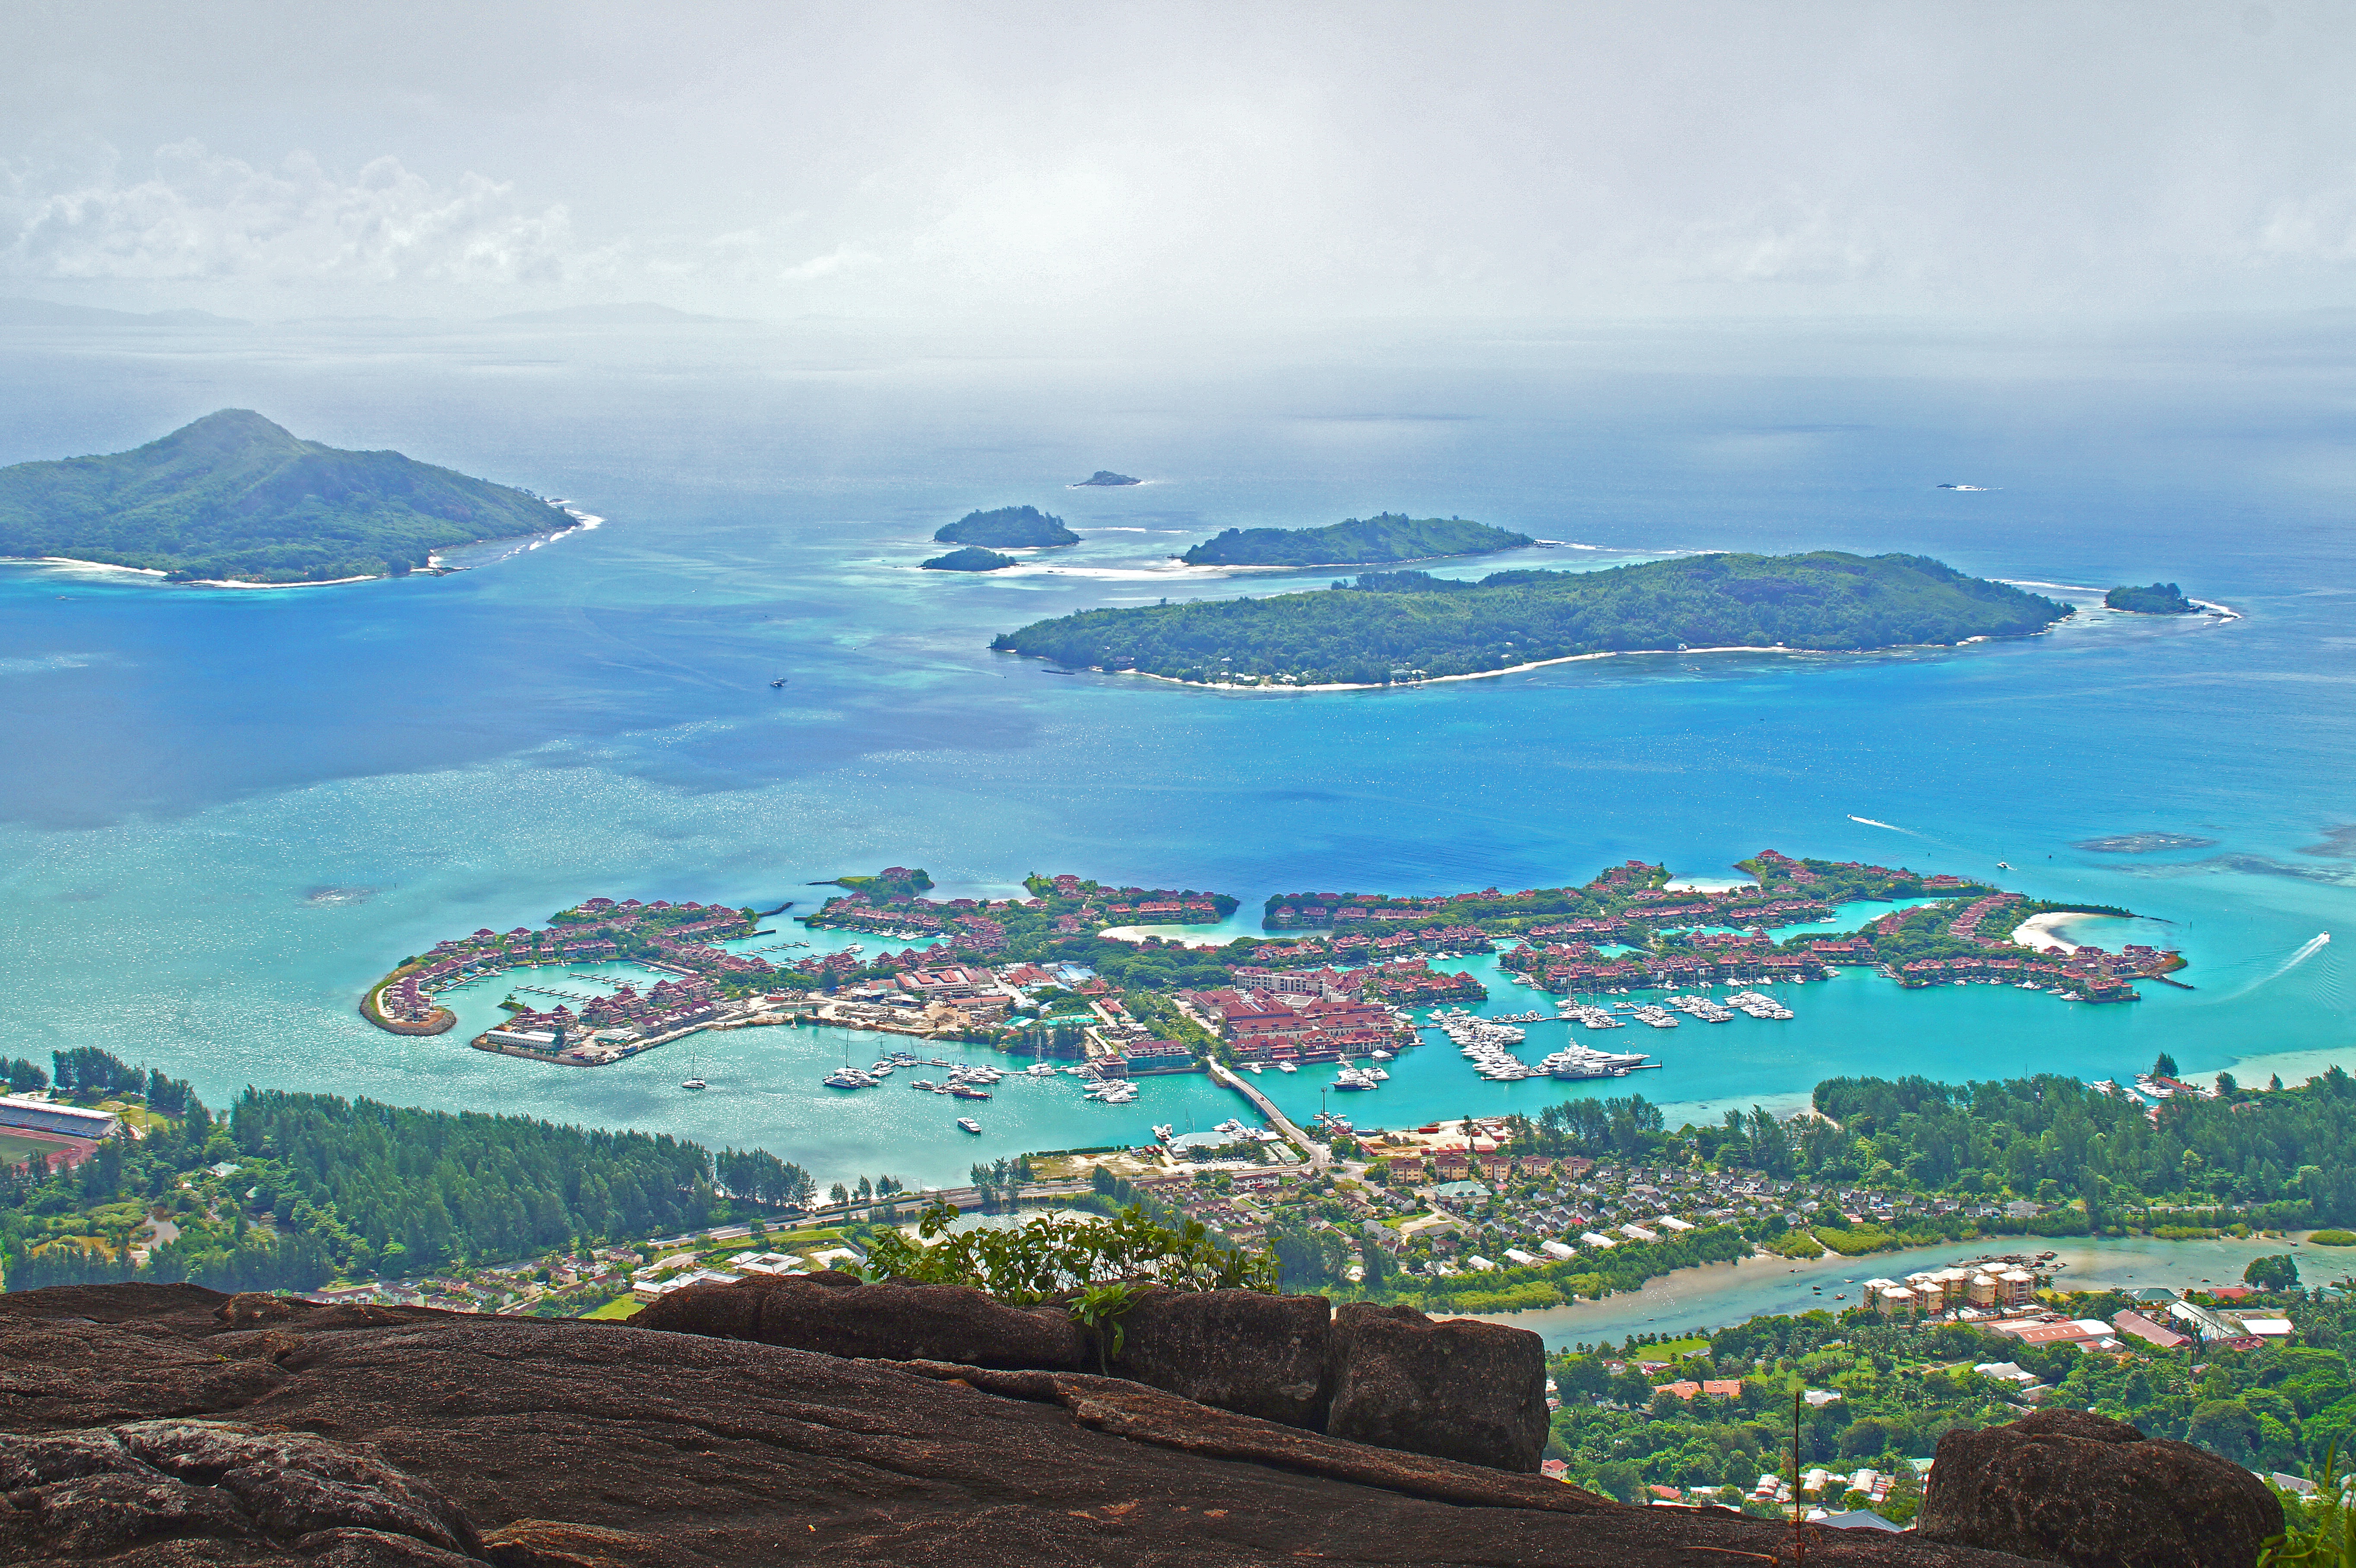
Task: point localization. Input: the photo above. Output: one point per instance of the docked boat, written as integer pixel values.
(1286, 1066)
(848, 1078)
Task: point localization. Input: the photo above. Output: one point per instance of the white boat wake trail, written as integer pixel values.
(1891, 826)
(2308, 949)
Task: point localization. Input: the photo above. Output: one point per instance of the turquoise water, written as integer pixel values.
(222, 812)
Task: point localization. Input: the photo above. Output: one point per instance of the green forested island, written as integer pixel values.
(1409, 625)
(973, 558)
(1008, 527)
(2152, 599)
(1356, 541)
(234, 498)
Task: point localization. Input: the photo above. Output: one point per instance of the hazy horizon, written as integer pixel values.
(1160, 167)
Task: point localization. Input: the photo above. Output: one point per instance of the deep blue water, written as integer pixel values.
(222, 812)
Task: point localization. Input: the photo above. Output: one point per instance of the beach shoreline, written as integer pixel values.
(582, 522)
(1533, 663)
(2039, 932)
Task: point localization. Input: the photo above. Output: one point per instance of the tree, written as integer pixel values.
(2225, 1428)
(2279, 1271)
(2164, 1067)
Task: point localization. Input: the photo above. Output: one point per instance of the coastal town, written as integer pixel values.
(1104, 973)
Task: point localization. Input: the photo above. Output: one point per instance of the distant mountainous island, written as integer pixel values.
(973, 558)
(1106, 476)
(1411, 625)
(1358, 541)
(2153, 599)
(234, 498)
(1008, 527)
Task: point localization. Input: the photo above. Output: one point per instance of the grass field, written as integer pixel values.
(14, 1150)
(621, 1307)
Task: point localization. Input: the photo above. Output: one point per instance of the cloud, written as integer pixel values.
(201, 216)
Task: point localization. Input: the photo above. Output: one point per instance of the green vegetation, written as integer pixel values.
(2275, 1159)
(1391, 536)
(234, 497)
(892, 883)
(316, 1188)
(1008, 527)
(1389, 629)
(2153, 599)
(2333, 1239)
(973, 558)
(1897, 1390)
(1046, 1255)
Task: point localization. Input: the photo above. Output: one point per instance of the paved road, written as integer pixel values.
(1319, 1157)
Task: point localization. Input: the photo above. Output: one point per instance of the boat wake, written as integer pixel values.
(1891, 826)
(2308, 949)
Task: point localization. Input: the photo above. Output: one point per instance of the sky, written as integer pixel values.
(1242, 163)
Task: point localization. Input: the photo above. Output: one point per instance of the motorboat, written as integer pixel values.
(968, 1125)
(694, 1083)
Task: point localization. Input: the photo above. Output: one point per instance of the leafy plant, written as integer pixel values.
(1100, 1309)
(1048, 1255)
(2329, 1539)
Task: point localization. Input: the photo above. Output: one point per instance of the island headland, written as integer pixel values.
(973, 558)
(235, 498)
(2152, 599)
(1106, 477)
(1388, 537)
(1404, 627)
(1008, 527)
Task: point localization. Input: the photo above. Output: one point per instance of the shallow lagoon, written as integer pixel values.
(223, 814)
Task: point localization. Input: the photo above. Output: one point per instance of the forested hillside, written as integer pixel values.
(233, 497)
(287, 1192)
(1388, 537)
(1408, 626)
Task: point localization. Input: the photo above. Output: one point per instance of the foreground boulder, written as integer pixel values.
(1455, 1389)
(574, 1445)
(885, 1322)
(95, 1492)
(2071, 1486)
(1239, 1349)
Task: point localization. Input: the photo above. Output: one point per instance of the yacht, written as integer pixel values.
(1252, 1068)
(924, 1083)
(968, 1123)
(1286, 1066)
(848, 1078)
(694, 1083)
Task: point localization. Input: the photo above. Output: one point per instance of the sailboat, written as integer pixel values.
(777, 683)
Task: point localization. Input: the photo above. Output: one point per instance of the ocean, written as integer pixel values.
(223, 812)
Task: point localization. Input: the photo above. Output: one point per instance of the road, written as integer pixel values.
(1319, 1157)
